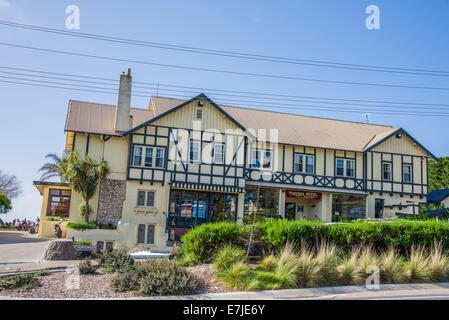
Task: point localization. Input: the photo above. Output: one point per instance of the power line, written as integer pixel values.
(232, 54)
(273, 76)
(223, 102)
(156, 87)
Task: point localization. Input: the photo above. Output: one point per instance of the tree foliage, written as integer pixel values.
(84, 175)
(439, 174)
(5, 203)
(9, 185)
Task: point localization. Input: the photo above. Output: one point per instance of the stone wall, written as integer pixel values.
(112, 195)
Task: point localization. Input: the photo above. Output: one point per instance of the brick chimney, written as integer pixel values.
(123, 119)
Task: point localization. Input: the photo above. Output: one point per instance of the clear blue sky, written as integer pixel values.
(413, 34)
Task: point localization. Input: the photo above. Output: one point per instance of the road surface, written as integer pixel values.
(21, 247)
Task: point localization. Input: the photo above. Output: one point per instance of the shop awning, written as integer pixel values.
(206, 187)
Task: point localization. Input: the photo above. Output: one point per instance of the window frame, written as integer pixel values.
(222, 145)
(337, 160)
(190, 151)
(145, 198)
(308, 156)
(298, 164)
(352, 161)
(60, 196)
(148, 164)
(410, 174)
(156, 158)
(139, 156)
(261, 157)
(390, 164)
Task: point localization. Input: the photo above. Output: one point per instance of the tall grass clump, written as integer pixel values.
(268, 263)
(392, 268)
(438, 263)
(227, 256)
(327, 257)
(308, 269)
(349, 269)
(235, 276)
(418, 265)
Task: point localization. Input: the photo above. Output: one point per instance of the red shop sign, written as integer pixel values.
(303, 195)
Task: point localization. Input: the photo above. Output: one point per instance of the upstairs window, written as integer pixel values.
(199, 114)
(149, 157)
(137, 156)
(310, 164)
(58, 203)
(350, 168)
(218, 153)
(339, 167)
(255, 159)
(261, 157)
(386, 171)
(145, 198)
(160, 152)
(299, 163)
(194, 152)
(407, 173)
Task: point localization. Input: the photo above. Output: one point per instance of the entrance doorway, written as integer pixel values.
(290, 211)
(378, 208)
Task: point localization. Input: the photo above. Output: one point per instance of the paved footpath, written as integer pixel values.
(21, 247)
(387, 292)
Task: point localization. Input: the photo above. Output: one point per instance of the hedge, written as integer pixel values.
(204, 240)
(82, 226)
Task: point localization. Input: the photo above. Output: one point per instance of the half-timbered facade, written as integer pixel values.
(181, 163)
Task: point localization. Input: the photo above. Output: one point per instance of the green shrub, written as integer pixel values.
(201, 242)
(43, 273)
(22, 282)
(115, 260)
(82, 226)
(83, 242)
(128, 279)
(86, 267)
(166, 278)
(227, 256)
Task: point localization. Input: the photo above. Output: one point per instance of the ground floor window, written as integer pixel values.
(58, 203)
(378, 208)
(348, 207)
(145, 234)
(268, 204)
(191, 208)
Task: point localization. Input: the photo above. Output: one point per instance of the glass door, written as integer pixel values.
(290, 211)
(379, 208)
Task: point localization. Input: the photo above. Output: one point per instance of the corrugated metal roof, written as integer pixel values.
(293, 129)
(438, 195)
(99, 118)
(300, 130)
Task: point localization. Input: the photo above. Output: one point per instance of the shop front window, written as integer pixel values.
(348, 207)
(268, 204)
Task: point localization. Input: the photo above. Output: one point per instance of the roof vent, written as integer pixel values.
(200, 103)
(399, 135)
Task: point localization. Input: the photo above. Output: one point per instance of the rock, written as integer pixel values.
(60, 250)
(84, 251)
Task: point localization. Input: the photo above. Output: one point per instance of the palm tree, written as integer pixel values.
(84, 176)
(53, 168)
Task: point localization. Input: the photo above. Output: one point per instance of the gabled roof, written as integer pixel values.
(437, 195)
(293, 129)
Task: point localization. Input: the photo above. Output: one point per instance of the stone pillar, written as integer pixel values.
(110, 204)
(281, 203)
(240, 206)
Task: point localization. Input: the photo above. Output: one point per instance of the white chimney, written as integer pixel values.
(123, 120)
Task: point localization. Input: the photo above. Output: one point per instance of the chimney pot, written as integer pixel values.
(123, 121)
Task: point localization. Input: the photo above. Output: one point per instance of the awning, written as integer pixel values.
(206, 187)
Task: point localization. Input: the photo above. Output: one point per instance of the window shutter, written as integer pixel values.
(150, 234)
(141, 234)
(141, 198)
(150, 199)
